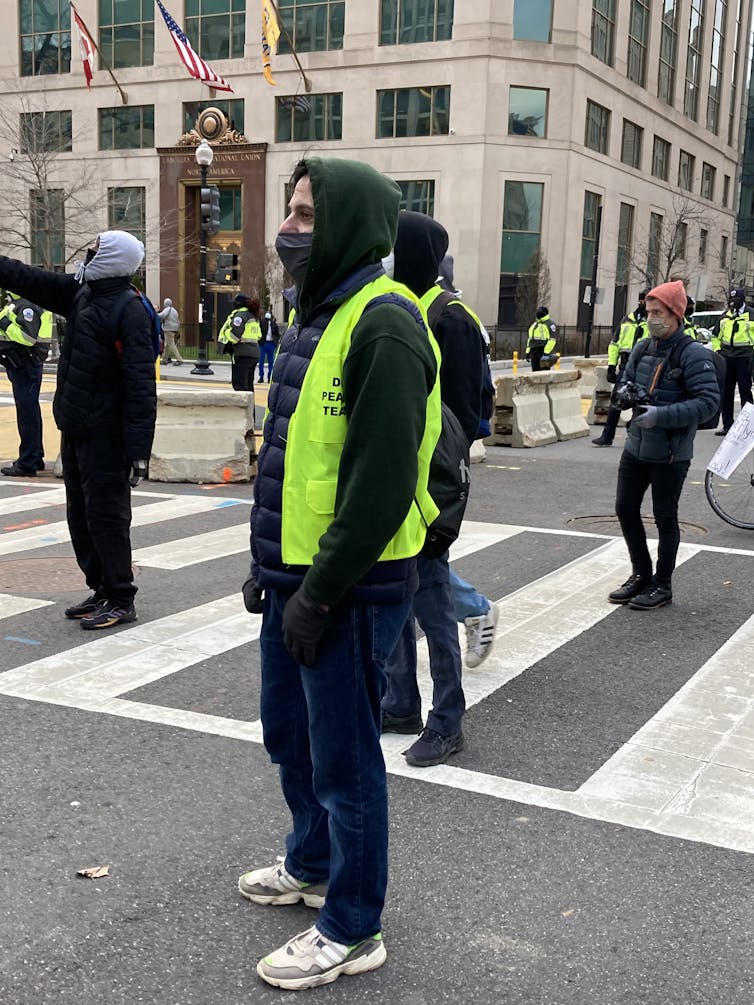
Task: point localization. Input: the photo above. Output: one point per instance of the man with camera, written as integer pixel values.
(633, 329)
(669, 400)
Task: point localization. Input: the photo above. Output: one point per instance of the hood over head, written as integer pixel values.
(167, 302)
(355, 218)
(119, 254)
(420, 247)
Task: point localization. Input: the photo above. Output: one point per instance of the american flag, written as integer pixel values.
(193, 63)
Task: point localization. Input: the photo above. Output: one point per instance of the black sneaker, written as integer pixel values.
(87, 606)
(721, 432)
(433, 748)
(633, 586)
(13, 471)
(107, 615)
(402, 723)
(602, 442)
(655, 596)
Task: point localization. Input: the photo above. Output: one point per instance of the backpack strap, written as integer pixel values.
(438, 305)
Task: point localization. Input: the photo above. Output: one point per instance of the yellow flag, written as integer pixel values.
(270, 36)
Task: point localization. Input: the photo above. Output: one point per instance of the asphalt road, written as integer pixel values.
(592, 845)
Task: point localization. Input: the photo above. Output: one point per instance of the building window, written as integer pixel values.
(738, 47)
(49, 132)
(660, 159)
(597, 132)
(679, 241)
(47, 225)
(127, 210)
(233, 109)
(418, 196)
(126, 33)
(589, 233)
(527, 111)
(668, 52)
(314, 25)
(653, 247)
(708, 181)
(522, 224)
(638, 40)
(716, 65)
(686, 165)
(130, 127)
(630, 150)
(726, 190)
(625, 244)
(724, 252)
(413, 111)
(406, 21)
(231, 208)
(694, 60)
(216, 28)
(532, 20)
(45, 36)
(703, 238)
(304, 118)
(603, 30)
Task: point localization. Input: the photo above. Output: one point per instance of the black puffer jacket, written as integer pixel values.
(106, 379)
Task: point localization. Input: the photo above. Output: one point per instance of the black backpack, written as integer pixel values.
(449, 484)
(674, 363)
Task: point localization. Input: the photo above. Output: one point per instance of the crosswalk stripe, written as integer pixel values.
(11, 605)
(32, 500)
(193, 550)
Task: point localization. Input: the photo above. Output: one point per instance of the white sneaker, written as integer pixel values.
(275, 885)
(480, 637)
(309, 960)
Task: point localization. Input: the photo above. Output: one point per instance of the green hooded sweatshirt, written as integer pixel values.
(388, 373)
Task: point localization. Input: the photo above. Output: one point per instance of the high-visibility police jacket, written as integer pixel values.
(542, 331)
(27, 326)
(631, 331)
(689, 328)
(734, 336)
(242, 331)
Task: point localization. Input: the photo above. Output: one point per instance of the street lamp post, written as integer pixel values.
(204, 155)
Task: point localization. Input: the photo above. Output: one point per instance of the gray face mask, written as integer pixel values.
(657, 327)
(294, 251)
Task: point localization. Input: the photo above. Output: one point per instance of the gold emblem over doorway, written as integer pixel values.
(212, 126)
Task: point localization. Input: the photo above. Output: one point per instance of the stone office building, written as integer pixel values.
(521, 124)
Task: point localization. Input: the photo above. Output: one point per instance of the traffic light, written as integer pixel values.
(210, 208)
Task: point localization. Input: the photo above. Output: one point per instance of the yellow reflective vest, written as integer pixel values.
(239, 329)
(734, 332)
(540, 331)
(317, 432)
(26, 324)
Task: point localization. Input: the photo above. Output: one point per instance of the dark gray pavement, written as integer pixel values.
(491, 900)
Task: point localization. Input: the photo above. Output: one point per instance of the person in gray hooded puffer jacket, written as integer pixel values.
(675, 386)
(105, 407)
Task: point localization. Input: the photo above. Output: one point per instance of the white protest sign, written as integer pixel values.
(738, 441)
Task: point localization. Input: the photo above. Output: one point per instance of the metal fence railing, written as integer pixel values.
(571, 341)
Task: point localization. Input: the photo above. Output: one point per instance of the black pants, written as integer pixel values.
(737, 371)
(242, 372)
(536, 352)
(634, 478)
(26, 380)
(98, 508)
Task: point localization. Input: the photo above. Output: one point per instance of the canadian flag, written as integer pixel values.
(86, 45)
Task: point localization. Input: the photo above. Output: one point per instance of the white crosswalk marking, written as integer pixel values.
(688, 772)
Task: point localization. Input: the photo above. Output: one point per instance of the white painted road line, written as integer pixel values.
(11, 605)
(32, 500)
(193, 550)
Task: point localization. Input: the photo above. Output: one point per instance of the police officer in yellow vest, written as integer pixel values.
(340, 499)
(633, 328)
(240, 336)
(540, 333)
(733, 338)
(689, 328)
(25, 337)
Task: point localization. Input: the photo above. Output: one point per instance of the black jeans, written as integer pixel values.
(536, 353)
(242, 372)
(98, 508)
(634, 478)
(738, 371)
(26, 380)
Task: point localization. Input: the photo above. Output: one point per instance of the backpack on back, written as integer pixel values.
(158, 339)
(674, 363)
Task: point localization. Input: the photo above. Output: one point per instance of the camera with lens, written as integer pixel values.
(629, 395)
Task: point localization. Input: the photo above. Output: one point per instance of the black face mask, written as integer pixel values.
(294, 251)
(90, 253)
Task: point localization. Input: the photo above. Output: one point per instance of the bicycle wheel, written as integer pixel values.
(733, 498)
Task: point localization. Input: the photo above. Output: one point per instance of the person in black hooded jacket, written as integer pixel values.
(105, 406)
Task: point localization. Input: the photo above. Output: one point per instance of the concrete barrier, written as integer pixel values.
(600, 404)
(203, 436)
(565, 404)
(588, 367)
(522, 411)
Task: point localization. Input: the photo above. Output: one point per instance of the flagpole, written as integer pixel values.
(283, 29)
(123, 95)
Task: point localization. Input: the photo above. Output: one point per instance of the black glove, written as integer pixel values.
(253, 597)
(612, 374)
(304, 624)
(138, 471)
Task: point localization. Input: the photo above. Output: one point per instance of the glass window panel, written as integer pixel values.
(47, 226)
(532, 20)
(45, 37)
(304, 118)
(414, 111)
(232, 108)
(418, 196)
(314, 25)
(527, 111)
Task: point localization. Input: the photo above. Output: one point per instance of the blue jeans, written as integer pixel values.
(266, 352)
(433, 609)
(322, 727)
(26, 381)
(468, 602)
